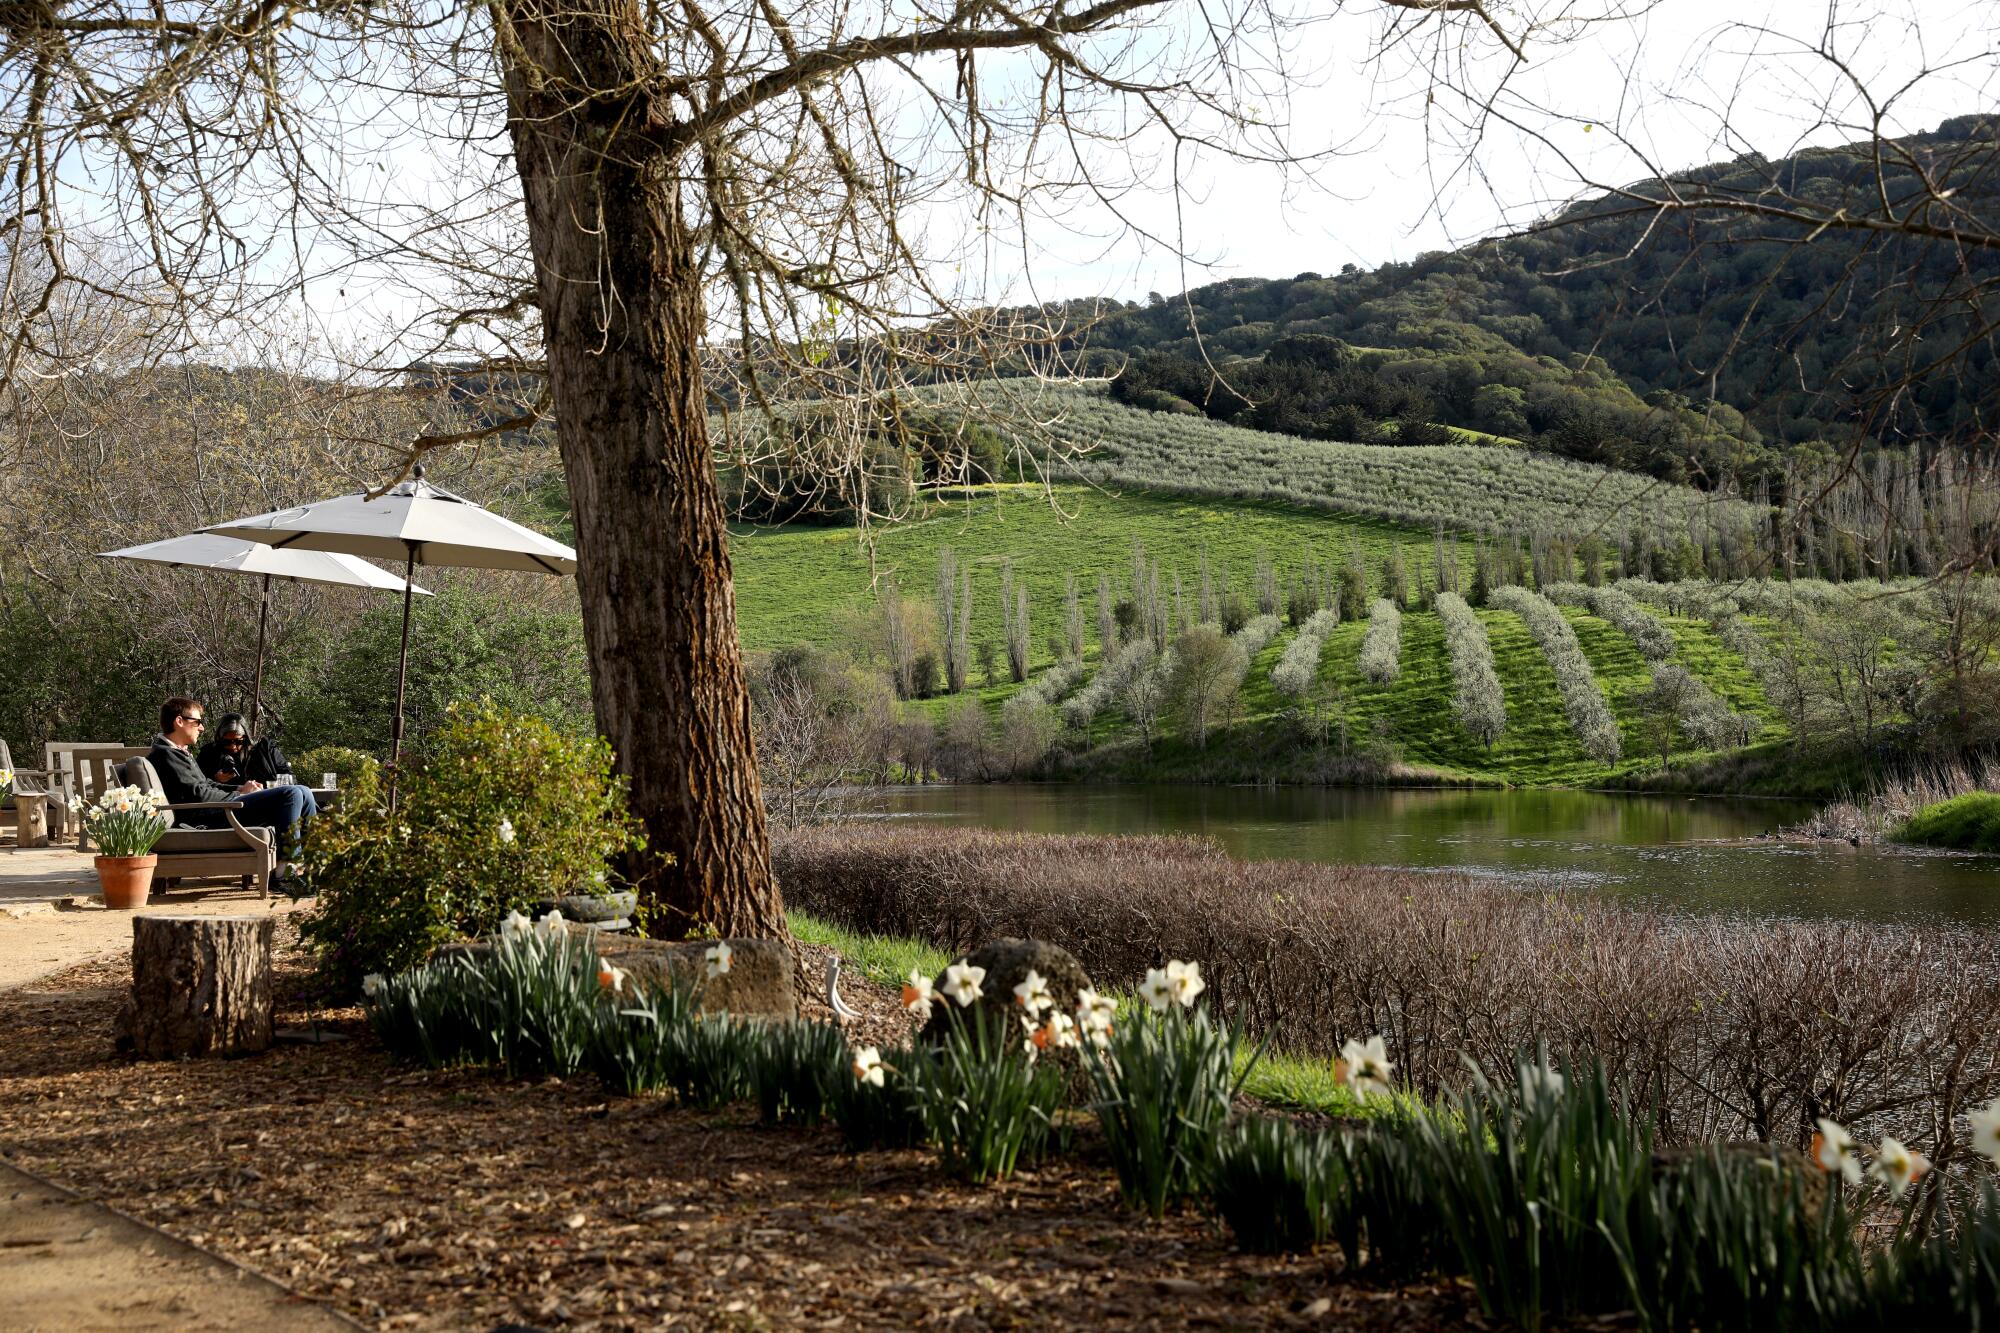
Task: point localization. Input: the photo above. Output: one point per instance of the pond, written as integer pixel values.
(1696, 854)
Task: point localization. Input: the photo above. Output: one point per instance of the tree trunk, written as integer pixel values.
(621, 302)
(201, 985)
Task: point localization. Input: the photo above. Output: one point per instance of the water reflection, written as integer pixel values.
(1695, 854)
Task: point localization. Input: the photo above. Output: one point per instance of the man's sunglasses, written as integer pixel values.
(195, 718)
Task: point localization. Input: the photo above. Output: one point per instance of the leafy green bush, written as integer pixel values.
(984, 1103)
(499, 811)
(336, 686)
(1969, 823)
(357, 773)
(1274, 1184)
(1163, 1083)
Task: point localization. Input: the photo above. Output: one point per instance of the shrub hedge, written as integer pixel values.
(1733, 1029)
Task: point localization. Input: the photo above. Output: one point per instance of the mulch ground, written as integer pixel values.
(455, 1199)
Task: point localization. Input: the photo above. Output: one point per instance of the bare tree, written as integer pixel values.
(693, 207)
(1072, 619)
(1107, 620)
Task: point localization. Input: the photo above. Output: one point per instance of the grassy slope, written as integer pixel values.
(800, 584)
(794, 583)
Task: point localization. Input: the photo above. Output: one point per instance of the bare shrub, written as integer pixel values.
(819, 726)
(1734, 1028)
(1478, 700)
(1382, 647)
(1299, 667)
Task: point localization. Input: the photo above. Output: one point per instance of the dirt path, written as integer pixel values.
(41, 935)
(70, 1265)
(67, 1263)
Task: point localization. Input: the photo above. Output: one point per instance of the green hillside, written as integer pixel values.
(812, 585)
(799, 583)
(1802, 339)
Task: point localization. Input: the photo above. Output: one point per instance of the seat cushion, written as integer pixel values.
(182, 840)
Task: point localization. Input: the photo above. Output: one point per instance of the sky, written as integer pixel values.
(1660, 84)
(1685, 83)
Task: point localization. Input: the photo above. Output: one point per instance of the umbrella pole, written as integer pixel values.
(257, 687)
(402, 678)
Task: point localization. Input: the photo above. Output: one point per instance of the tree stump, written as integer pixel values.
(201, 985)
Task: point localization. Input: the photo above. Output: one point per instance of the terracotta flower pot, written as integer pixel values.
(126, 880)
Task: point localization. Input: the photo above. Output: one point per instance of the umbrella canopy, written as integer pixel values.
(414, 522)
(201, 550)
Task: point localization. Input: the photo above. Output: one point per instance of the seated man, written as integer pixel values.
(283, 808)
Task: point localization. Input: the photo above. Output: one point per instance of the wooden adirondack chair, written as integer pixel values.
(28, 811)
(93, 770)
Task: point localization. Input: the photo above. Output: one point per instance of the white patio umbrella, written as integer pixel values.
(416, 523)
(233, 555)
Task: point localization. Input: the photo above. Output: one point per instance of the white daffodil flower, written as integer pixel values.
(515, 926)
(1898, 1167)
(1157, 989)
(550, 924)
(610, 978)
(1062, 1031)
(917, 995)
(868, 1065)
(1095, 1009)
(961, 983)
(506, 830)
(1032, 994)
(1364, 1065)
(1986, 1130)
(1186, 981)
(1833, 1148)
(371, 985)
(717, 956)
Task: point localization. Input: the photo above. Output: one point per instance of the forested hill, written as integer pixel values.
(1800, 338)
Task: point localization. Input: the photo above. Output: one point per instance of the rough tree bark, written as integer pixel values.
(201, 985)
(622, 317)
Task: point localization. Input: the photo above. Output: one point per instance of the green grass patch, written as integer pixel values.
(1968, 823)
(882, 959)
(1309, 1083)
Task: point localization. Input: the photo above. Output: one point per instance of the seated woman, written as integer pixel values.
(230, 757)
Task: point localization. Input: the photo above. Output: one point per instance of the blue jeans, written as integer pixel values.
(283, 808)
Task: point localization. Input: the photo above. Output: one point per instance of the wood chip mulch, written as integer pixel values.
(456, 1199)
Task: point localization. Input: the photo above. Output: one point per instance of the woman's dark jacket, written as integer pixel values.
(262, 762)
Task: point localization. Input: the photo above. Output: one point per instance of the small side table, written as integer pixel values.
(31, 819)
